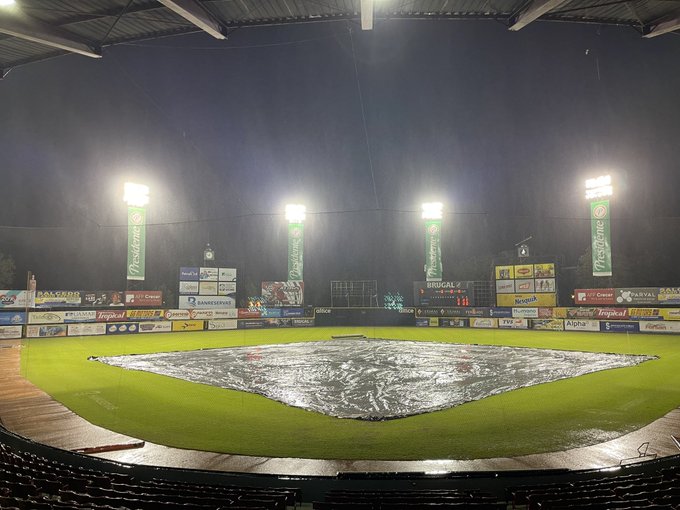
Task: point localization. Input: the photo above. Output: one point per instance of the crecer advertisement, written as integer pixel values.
(144, 298)
(594, 296)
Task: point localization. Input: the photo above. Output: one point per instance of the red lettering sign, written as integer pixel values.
(111, 315)
(144, 298)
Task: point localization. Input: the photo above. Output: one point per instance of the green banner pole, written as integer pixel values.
(433, 250)
(295, 250)
(136, 243)
(601, 237)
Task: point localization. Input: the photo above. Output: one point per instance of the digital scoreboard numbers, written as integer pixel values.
(443, 294)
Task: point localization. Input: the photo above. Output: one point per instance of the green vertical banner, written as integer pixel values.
(601, 236)
(433, 250)
(136, 243)
(296, 246)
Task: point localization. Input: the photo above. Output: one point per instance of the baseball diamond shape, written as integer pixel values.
(373, 379)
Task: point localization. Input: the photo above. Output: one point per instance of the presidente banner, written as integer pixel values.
(601, 238)
(296, 246)
(136, 243)
(433, 250)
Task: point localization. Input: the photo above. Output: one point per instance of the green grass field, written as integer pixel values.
(548, 417)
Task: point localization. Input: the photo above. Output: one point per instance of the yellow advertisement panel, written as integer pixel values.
(524, 271)
(670, 314)
(187, 325)
(505, 272)
(560, 312)
(434, 321)
(526, 299)
(544, 270)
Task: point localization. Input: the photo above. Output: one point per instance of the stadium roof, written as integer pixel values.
(35, 30)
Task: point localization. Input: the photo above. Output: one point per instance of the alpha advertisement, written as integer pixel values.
(223, 324)
(660, 327)
(87, 329)
(548, 324)
(11, 318)
(9, 332)
(513, 323)
(594, 296)
(57, 298)
(601, 238)
(514, 300)
(206, 302)
(144, 298)
(46, 331)
(581, 325)
(289, 293)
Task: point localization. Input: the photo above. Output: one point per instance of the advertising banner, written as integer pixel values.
(87, 329)
(189, 274)
(513, 323)
(670, 314)
(290, 293)
(208, 314)
(206, 302)
(422, 322)
(277, 323)
(619, 327)
(251, 324)
(246, 313)
(57, 298)
(46, 331)
(524, 286)
(559, 312)
(208, 274)
(190, 325)
(46, 317)
(594, 296)
(544, 270)
(669, 296)
(136, 243)
(226, 288)
(292, 312)
(505, 272)
(581, 313)
(188, 287)
(486, 322)
(524, 271)
(110, 315)
(155, 327)
(14, 299)
(581, 325)
(223, 324)
(227, 274)
(296, 245)
(9, 332)
(514, 300)
(207, 289)
(544, 285)
(601, 238)
(431, 312)
(525, 313)
(11, 318)
(660, 327)
(80, 316)
(546, 313)
(103, 298)
(270, 312)
(611, 313)
(453, 323)
(442, 293)
(145, 315)
(637, 296)
(433, 250)
(505, 286)
(122, 329)
(303, 323)
(177, 315)
(144, 298)
(500, 312)
(645, 314)
(547, 324)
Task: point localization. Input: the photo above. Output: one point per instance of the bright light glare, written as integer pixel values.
(295, 213)
(599, 187)
(135, 195)
(432, 210)
(5, 3)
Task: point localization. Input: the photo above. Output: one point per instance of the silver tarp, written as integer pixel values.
(373, 379)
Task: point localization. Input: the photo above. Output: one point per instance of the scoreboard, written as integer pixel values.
(445, 294)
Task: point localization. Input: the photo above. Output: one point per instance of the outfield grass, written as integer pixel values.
(564, 414)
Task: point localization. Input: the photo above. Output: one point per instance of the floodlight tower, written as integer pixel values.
(136, 196)
(295, 214)
(432, 214)
(597, 192)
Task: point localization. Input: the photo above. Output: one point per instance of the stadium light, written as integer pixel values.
(599, 187)
(135, 195)
(432, 210)
(6, 3)
(295, 213)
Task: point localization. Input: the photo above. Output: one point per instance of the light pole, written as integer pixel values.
(432, 214)
(136, 196)
(295, 214)
(597, 192)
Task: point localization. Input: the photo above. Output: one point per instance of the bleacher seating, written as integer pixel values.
(436, 499)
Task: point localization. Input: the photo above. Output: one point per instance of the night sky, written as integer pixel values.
(362, 127)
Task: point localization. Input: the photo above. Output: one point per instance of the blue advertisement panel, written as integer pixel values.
(10, 318)
(122, 329)
(619, 327)
(502, 313)
(270, 313)
(250, 324)
(292, 312)
(189, 274)
(454, 323)
(423, 322)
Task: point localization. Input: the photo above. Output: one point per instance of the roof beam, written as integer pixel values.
(195, 13)
(31, 29)
(366, 14)
(532, 11)
(662, 27)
